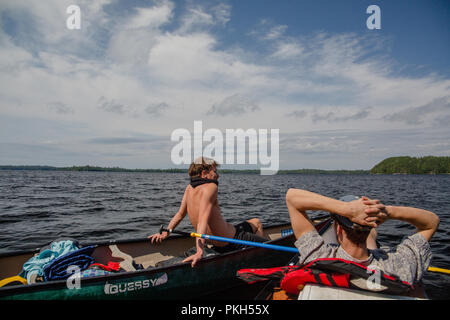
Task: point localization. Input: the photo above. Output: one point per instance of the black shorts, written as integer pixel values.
(244, 231)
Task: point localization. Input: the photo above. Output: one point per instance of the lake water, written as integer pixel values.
(37, 207)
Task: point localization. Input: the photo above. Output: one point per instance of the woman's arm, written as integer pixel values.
(176, 219)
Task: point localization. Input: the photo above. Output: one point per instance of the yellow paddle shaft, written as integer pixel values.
(441, 270)
(196, 235)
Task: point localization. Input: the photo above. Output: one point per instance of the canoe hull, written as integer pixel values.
(176, 282)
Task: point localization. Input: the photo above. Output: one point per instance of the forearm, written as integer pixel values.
(174, 222)
(304, 200)
(299, 201)
(425, 221)
(202, 228)
(176, 219)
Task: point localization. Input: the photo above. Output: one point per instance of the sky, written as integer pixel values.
(111, 93)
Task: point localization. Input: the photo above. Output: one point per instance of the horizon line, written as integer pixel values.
(37, 167)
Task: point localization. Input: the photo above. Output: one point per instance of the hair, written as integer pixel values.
(356, 234)
(200, 164)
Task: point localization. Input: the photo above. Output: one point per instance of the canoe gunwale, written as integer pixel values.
(112, 242)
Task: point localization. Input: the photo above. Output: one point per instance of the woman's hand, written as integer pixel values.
(158, 237)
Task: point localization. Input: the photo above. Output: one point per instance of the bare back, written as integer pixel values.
(216, 225)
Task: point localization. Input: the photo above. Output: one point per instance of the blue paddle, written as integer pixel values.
(243, 242)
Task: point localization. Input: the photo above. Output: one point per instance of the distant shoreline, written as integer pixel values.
(171, 170)
(393, 166)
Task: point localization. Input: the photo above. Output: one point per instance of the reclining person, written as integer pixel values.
(355, 223)
(201, 205)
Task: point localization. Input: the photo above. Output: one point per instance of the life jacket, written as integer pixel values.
(296, 279)
(333, 272)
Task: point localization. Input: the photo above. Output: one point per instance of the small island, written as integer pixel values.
(413, 165)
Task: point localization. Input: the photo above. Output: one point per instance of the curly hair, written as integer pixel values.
(200, 164)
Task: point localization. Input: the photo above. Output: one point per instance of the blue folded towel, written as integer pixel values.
(36, 264)
(57, 269)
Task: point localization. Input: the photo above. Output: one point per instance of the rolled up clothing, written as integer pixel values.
(35, 265)
(58, 269)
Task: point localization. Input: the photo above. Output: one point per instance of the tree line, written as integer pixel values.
(413, 165)
(175, 170)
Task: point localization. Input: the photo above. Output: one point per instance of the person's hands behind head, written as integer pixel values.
(356, 211)
(376, 211)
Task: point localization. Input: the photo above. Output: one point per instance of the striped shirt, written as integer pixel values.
(408, 261)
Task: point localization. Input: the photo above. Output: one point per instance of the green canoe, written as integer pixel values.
(158, 280)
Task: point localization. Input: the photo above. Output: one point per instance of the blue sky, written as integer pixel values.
(111, 93)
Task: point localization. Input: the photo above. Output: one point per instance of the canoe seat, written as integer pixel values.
(169, 262)
(128, 263)
(207, 252)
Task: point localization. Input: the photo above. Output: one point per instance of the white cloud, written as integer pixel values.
(136, 35)
(183, 58)
(288, 50)
(222, 13)
(200, 18)
(153, 17)
(417, 115)
(267, 30)
(196, 17)
(275, 32)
